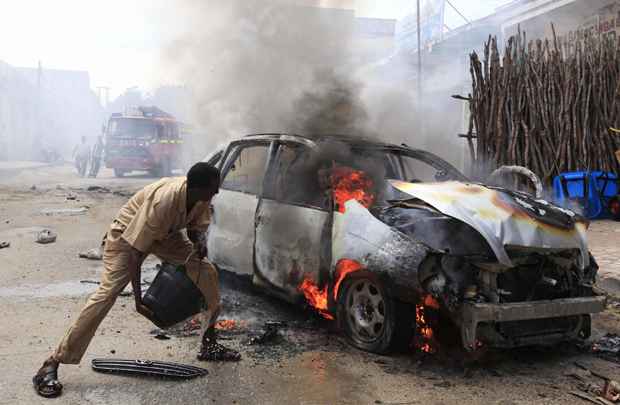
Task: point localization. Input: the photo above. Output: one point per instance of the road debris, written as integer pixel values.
(162, 336)
(46, 236)
(122, 193)
(611, 391)
(590, 398)
(5, 245)
(91, 254)
(610, 343)
(71, 196)
(607, 347)
(148, 368)
(98, 189)
(64, 211)
(270, 334)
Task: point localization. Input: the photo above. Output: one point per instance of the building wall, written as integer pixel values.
(69, 108)
(18, 109)
(571, 19)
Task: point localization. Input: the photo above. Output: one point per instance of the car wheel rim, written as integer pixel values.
(365, 306)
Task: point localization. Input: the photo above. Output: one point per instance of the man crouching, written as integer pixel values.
(151, 222)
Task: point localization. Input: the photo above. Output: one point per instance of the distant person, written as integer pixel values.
(96, 156)
(151, 222)
(81, 154)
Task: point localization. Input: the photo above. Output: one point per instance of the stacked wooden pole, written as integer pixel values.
(546, 105)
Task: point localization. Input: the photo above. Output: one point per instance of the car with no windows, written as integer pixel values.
(382, 238)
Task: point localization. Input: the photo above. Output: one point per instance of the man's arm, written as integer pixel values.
(136, 258)
(197, 230)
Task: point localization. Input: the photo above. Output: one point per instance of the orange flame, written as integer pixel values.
(425, 337)
(228, 324)
(316, 297)
(344, 267)
(349, 184)
(431, 302)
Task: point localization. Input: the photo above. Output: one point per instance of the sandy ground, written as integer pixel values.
(41, 293)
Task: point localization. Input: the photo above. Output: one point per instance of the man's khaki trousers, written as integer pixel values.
(175, 250)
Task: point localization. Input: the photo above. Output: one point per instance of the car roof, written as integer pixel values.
(360, 141)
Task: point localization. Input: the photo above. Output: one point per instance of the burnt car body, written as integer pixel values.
(399, 230)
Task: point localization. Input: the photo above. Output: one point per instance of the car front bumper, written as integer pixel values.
(479, 319)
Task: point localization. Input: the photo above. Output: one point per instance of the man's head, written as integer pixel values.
(203, 182)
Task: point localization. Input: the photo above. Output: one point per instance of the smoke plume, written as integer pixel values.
(268, 66)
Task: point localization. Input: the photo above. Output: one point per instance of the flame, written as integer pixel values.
(344, 267)
(431, 302)
(425, 337)
(349, 184)
(228, 324)
(316, 297)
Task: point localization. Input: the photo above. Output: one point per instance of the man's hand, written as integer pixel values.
(201, 248)
(200, 242)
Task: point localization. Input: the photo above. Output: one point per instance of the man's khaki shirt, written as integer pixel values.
(159, 210)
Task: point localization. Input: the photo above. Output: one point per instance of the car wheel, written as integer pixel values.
(119, 173)
(371, 319)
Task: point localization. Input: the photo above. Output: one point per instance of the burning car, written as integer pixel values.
(380, 237)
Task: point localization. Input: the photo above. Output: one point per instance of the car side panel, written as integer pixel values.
(231, 234)
(288, 244)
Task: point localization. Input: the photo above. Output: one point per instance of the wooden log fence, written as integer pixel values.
(547, 105)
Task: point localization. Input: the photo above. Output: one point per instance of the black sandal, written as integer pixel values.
(216, 352)
(46, 382)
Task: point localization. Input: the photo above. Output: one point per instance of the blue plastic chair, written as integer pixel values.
(578, 188)
(607, 185)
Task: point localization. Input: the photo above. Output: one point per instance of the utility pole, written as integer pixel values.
(36, 139)
(419, 49)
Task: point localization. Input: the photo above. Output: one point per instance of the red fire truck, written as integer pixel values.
(144, 138)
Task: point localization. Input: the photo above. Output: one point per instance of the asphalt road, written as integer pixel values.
(309, 362)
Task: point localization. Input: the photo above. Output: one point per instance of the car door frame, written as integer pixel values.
(288, 290)
(217, 252)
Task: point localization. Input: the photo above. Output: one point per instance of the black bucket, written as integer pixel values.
(172, 296)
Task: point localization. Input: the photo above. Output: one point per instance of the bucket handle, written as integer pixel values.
(192, 253)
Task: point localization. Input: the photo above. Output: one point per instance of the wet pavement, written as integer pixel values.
(305, 361)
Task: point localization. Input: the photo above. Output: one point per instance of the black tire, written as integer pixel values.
(371, 319)
(119, 173)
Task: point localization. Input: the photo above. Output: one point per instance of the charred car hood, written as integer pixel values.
(504, 218)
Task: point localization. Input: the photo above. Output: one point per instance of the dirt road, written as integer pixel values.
(309, 363)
